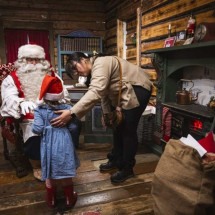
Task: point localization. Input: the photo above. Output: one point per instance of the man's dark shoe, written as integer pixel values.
(107, 166)
(121, 176)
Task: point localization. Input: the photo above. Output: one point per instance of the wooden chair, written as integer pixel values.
(11, 132)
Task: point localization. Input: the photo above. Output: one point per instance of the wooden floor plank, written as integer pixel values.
(133, 206)
(86, 166)
(10, 183)
(26, 196)
(96, 186)
(36, 199)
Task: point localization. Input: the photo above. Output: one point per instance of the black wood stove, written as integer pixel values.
(192, 119)
(171, 65)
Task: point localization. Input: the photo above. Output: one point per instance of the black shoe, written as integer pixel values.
(107, 166)
(121, 176)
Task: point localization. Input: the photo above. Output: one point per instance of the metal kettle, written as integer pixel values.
(184, 97)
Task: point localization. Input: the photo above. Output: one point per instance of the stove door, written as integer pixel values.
(186, 123)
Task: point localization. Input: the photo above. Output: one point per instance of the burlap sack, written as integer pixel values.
(182, 185)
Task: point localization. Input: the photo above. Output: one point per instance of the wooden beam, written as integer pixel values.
(138, 37)
(120, 39)
(172, 10)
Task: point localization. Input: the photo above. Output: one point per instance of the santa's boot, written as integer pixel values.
(70, 196)
(36, 166)
(51, 196)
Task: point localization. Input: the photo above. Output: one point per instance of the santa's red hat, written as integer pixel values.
(51, 88)
(31, 51)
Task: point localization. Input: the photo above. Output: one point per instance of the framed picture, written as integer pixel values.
(181, 35)
(169, 42)
(188, 41)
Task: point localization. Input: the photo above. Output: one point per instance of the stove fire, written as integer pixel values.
(197, 124)
(196, 120)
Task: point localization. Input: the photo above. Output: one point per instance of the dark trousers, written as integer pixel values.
(125, 140)
(32, 148)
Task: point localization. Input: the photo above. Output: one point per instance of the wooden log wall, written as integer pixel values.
(59, 17)
(157, 16)
(150, 19)
(125, 11)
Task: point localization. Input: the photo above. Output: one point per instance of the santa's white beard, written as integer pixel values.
(30, 77)
(30, 67)
(23, 66)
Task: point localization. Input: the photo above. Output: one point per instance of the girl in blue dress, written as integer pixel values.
(58, 157)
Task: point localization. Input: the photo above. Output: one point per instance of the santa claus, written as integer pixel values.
(20, 91)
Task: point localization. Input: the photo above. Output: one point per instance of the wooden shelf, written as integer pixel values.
(199, 45)
(82, 41)
(76, 93)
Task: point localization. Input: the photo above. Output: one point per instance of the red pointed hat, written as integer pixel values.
(51, 88)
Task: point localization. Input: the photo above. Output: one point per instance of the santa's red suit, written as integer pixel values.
(20, 91)
(21, 88)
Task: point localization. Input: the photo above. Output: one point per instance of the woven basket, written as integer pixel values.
(145, 128)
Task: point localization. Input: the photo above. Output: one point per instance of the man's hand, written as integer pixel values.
(27, 106)
(61, 120)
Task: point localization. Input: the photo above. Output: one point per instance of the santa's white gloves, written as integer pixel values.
(27, 106)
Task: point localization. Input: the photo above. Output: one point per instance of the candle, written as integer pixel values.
(169, 27)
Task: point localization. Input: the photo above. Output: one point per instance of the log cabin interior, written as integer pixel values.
(149, 33)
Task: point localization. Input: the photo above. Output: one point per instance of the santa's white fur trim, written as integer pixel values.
(31, 51)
